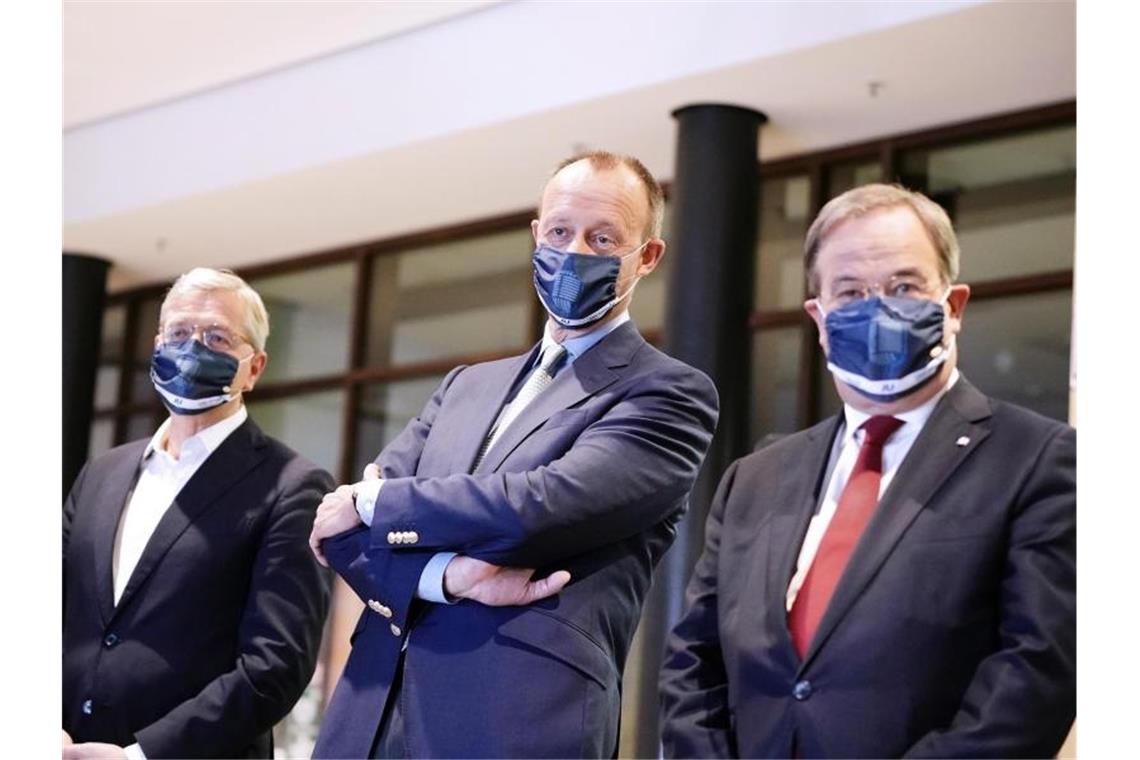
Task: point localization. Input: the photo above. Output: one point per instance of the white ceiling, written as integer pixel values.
(121, 56)
(968, 62)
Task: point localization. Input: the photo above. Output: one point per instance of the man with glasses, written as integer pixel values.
(899, 580)
(563, 470)
(192, 607)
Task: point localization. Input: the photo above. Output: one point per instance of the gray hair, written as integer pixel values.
(867, 198)
(255, 324)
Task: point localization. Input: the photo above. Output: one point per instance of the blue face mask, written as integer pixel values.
(191, 378)
(578, 289)
(885, 347)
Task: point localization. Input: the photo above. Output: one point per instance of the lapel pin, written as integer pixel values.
(963, 441)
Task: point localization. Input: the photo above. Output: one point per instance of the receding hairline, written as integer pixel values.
(602, 160)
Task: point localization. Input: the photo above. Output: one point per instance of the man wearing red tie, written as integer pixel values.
(899, 580)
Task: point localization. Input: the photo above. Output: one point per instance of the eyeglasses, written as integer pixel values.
(847, 291)
(216, 337)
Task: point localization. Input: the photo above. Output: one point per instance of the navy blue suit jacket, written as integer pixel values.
(952, 632)
(591, 477)
(217, 631)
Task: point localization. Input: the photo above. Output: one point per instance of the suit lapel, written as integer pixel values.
(786, 534)
(487, 399)
(238, 454)
(588, 375)
(114, 491)
(961, 414)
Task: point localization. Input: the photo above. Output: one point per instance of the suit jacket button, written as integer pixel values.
(802, 690)
(110, 640)
(87, 707)
(413, 536)
(395, 629)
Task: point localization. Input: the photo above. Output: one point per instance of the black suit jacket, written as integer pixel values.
(217, 632)
(951, 633)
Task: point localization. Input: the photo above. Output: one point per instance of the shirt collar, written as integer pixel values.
(575, 347)
(205, 441)
(914, 419)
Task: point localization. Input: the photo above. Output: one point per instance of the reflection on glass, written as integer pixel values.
(110, 356)
(845, 176)
(1017, 349)
(1012, 200)
(785, 209)
(775, 381)
(309, 424)
(385, 409)
(309, 314)
(461, 297)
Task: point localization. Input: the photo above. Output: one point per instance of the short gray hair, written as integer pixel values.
(255, 324)
(867, 198)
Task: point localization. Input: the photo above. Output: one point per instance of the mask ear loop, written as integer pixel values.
(636, 280)
(228, 388)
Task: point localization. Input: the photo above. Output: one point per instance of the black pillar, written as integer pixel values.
(84, 293)
(715, 205)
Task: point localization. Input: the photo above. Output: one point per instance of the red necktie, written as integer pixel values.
(856, 505)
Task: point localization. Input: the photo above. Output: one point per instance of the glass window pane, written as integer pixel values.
(309, 424)
(775, 381)
(850, 174)
(385, 409)
(1012, 200)
(460, 297)
(110, 356)
(145, 330)
(1017, 349)
(309, 316)
(648, 305)
(102, 436)
(785, 209)
(143, 424)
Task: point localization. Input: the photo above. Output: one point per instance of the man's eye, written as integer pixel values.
(557, 232)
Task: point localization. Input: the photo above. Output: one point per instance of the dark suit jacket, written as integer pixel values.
(217, 632)
(591, 477)
(951, 633)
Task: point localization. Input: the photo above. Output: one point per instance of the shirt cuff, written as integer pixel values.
(134, 752)
(431, 579)
(366, 493)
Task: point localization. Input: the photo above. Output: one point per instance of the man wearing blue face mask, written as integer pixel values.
(899, 580)
(192, 607)
(552, 480)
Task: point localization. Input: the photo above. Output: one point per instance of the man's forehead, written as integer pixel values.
(221, 305)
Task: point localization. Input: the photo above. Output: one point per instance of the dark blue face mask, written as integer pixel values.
(885, 347)
(191, 378)
(578, 289)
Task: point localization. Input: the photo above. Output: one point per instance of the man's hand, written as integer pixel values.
(93, 751)
(335, 515)
(469, 578)
(66, 738)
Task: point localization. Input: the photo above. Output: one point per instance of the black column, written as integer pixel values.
(715, 208)
(84, 293)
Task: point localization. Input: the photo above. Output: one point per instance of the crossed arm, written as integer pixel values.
(624, 473)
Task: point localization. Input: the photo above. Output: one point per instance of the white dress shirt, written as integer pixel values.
(431, 579)
(161, 478)
(844, 452)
